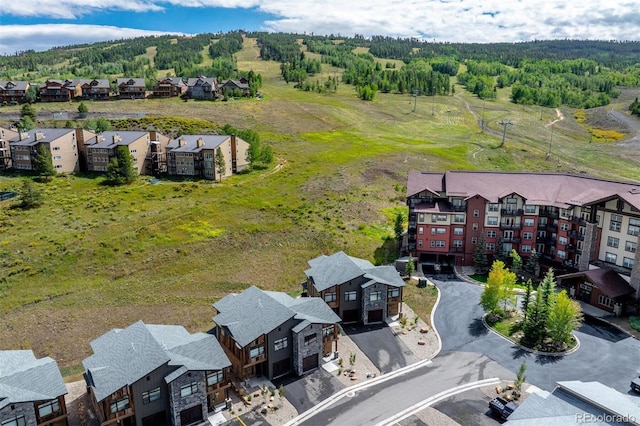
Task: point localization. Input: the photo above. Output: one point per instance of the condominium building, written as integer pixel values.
(574, 222)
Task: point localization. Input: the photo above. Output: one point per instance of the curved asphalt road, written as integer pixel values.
(604, 354)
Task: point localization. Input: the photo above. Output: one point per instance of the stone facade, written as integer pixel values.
(589, 247)
(302, 351)
(368, 305)
(179, 403)
(13, 411)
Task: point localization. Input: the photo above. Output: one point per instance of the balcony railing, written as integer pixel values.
(459, 208)
(456, 250)
(510, 226)
(549, 213)
(511, 240)
(578, 220)
(511, 212)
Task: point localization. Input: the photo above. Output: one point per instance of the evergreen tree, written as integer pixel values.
(534, 327)
(516, 263)
(532, 262)
(526, 299)
(548, 287)
(499, 254)
(43, 162)
(28, 110)
(410, 268)
(398, 227)
(26, 123)
(480, 256)
(120, 169)
(220, 163)
(82, 109)
(30, 197)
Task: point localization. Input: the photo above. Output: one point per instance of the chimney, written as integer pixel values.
(116, 138)
(22, 135)
(200, 142)
(38, 136)
(180, 142)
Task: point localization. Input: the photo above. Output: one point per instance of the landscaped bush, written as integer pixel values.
(634, 322)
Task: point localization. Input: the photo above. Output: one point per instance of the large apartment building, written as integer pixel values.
(195, 155)
(574, 222)
(146, 149)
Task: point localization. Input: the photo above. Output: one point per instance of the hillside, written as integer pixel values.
(96, 257)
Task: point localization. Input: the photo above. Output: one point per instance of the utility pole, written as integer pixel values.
(504, 124)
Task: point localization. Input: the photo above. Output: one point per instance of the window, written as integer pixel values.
(613, 242)
(17, 421)
(56, 148)
(528, 222)
(610, 257)
(350, 296)
(564, 226)
(492, 220)
(393, 292)
(491, 246)
(419, 243)
(327, 331)
(529, 208)
(420, 230)
(48, 408)
(491, 234)
(493, 207)
(310, 339)
(476, 213)
(562, 241)
(474, 240)
(374, 296)
(458, 231)
(441, 230)
(439, 218)
(433, 231)
(630, 246)
(512, 201)
(58, 166)
(437, 243)
(330, 297)
(525, 248)
(280, 344)
(542, 234)
(119, 405)
(616, 223)
(561, 254)
(458, 218)
(256, 351)
(421, 217)
(542, 221)
(57, 157)
(215, 377)
(150, 396)
(527, 235)
(605, 301)
(634, 227)
(189, 389)
(474, 226)
(457, 243)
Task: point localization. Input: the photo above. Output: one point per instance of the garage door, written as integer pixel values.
(280, 368)
(191, 415)
(158, 419)
(350, 315)
(375, 316)
(309, 363)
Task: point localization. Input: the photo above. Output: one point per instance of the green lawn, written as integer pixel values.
(95, 257)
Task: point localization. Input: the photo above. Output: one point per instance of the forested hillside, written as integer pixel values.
(579, 74)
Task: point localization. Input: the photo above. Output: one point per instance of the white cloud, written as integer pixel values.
(14, 38)
(442, 20)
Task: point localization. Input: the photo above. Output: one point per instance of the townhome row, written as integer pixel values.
(575, 222)
(74, 150)
(162, 375)
(13, 92)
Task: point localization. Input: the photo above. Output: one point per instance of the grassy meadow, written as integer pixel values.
(95, 257)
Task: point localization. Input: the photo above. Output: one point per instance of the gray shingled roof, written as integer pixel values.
(570, 398)
(191, 142)
(23, 378)
(250, 314)
(550, 189)
(139, 82)
(254, 312)
(18, 85)
(49, 135)
(122, 357)
(106, 139)
(212, 81)
(327, 271)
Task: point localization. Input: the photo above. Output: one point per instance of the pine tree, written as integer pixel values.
(220, 164)
(30, 197)
(398, 227)
(532, 262)
(480, 256)
(410, 268)
(43, 162)
(120, 169)
(526, 299)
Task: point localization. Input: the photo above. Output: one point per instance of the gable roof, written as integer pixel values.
(133, 82)
(605, 279)
(328, 271)
(48, 135)
(23, 378)
(111, 139)
(175, 81)
(93, 82)
(202, 81)
(252, 313)
(14, 85)
(121, 357)
(191, 142)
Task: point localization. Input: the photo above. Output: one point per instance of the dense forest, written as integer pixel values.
(577, 73)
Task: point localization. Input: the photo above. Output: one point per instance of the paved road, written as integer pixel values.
(381, 346)
(604, 355)
(382, 401)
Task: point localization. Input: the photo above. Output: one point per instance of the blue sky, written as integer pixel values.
(42, 24)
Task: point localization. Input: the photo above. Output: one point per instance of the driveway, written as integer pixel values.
(469, 408)
(604, 354)
(381, 346)
(307, 391)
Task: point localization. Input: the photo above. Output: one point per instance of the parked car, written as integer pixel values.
(635, 385)
(501, 407)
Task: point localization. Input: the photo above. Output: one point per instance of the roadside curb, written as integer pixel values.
(532, 351)
(432, 319)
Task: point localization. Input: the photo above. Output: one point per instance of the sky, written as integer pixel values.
(42, 24)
